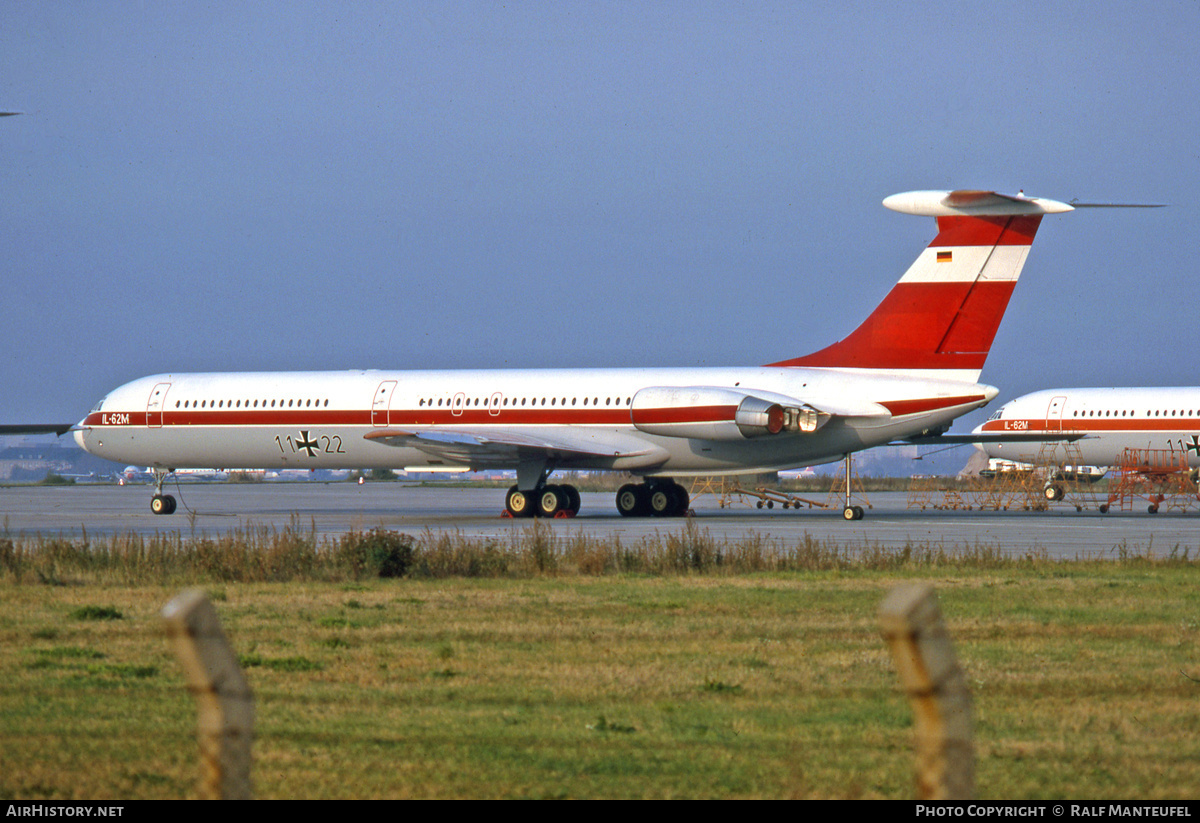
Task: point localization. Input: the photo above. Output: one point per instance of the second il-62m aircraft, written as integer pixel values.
(909, 370)
(1109, 424)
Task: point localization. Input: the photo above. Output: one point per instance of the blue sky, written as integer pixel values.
(232, 186)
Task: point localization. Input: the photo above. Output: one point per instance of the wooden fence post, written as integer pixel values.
(226, 707)
(911, 623)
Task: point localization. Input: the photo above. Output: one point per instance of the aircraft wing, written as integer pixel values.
(38, 428)
(503, 447)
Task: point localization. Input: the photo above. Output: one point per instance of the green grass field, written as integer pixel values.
(550, 672)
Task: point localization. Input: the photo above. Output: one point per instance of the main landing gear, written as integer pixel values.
(661, 498)
(161, 503)
(545, 501)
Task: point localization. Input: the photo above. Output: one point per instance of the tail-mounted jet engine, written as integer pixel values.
(711, 413)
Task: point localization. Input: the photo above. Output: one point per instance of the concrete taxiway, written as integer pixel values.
(335, 508)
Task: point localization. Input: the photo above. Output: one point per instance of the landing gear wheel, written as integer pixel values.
(632, 500)
(1104, 508)
(858, 512)
(1152, 509)
(518, 503)
(572, 494)
(682, 500)
(550, 501)
(162, 504)
(849, 513)
(662, 501)
(1053, 492)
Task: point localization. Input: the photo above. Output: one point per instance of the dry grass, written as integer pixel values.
(295, 553)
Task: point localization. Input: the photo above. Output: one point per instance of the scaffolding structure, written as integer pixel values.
(1157, 476)
(1055, 478)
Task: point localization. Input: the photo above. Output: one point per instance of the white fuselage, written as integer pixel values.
(1111, 420)
(372, 419)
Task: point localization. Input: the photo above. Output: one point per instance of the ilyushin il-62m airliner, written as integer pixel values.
(1111, 424)
(909, 370)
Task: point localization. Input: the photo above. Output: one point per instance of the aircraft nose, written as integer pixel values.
(78, 431)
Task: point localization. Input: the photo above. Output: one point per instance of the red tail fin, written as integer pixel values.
(944, 312)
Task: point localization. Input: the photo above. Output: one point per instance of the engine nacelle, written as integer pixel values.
(713, 413)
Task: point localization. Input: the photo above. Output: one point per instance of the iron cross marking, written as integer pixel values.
(309, 446)
(1194, 446)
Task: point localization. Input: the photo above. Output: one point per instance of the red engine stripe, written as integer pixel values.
(903, 407)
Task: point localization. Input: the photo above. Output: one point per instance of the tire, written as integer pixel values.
(573, 500)
(550, 501)
(858, 512)
(159, 505)
(662, 501)
(518, 503)
(1053, 492)
(170, 498)
(683, 500)
(849, 513)
(631, 500)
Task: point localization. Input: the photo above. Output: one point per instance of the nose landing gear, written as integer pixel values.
(161, 503)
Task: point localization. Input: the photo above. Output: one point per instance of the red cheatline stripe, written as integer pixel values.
(1109, 424)
(620, 416)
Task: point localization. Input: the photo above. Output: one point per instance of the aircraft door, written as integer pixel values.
(382, 403)
(1054, 413)
(155, 405)
(494, 404)
(456, 406)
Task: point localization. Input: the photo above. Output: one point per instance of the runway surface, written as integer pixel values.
(335, 508)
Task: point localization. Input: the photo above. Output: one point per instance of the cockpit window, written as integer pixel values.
(997, 414)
